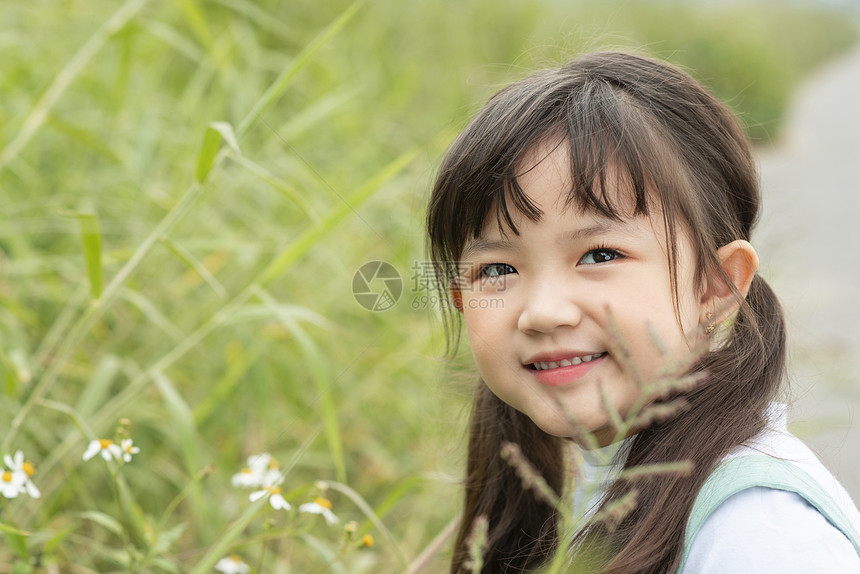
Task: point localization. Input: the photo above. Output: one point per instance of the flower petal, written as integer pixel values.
(92, 449)
(32, 490)
(278, 502)
(329, 516)
(311, 508)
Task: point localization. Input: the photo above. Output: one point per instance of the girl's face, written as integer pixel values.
(537, 305)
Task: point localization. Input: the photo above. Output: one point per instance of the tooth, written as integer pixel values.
(546, 365)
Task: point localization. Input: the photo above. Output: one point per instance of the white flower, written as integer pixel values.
(11, 483)
(25, 470)
(259, 463)
(232, 565)
(266, 468)
(128, 449)
(276, 499)
(262, 471)
(245, 478)
(320, 506)
(105, 446)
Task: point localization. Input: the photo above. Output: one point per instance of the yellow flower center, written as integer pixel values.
(105, 442)
(367, 540)
(273, 490)
(324, 502)
(273, 464)
(245, 471)
(7, 476)
(29, 468)
(236, 558)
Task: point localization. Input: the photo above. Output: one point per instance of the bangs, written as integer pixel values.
(619, 157)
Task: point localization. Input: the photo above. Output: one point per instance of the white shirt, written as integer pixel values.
(758, 530)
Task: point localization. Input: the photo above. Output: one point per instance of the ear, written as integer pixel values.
(457, 299)
(739, 262)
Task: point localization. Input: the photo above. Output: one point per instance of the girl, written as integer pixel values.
(591, 226)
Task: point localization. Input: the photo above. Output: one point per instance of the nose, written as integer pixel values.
(548, 305)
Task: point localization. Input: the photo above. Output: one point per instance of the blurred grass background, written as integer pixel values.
(210, 352)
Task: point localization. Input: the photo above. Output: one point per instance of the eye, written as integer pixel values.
(599, 255)
(495, 270)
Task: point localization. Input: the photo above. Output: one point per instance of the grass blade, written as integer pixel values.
(9, 529)
(197, 22)
(84, 137)
(322, 377)
(175, 40)
(277, 89)
(216, 132)
(182, 419)
(311, 237)
(36, 118)
(280, 186)
(92, 240)
(258, 16)
(196, 265)
(239, 362)
(13, 380)
(100, 382)
(420, 564)
(289, 256)
(151, 312)
(329, 556)
(136, 524)
(81, 328)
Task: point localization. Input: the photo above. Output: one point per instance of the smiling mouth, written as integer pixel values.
(544, 366)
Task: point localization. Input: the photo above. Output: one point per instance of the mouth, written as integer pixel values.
(564, 370)
(578, 360)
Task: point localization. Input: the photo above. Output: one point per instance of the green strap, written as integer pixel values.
(742, 472)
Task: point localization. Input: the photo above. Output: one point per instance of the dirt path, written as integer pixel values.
(809, 240)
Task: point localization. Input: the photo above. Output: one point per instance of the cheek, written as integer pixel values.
(483, 314)
(487, 337)
(482, 331)
(648, 326)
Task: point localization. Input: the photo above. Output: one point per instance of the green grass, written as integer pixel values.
(188, 189)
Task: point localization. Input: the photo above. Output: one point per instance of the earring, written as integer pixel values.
(709, 317)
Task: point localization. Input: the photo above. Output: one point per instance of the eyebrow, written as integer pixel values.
(602, 226)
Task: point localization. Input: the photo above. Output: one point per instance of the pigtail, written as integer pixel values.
(769, 327)
(522, 529)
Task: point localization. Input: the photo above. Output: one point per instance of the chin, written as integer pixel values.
(557, 427)
(561, 427)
